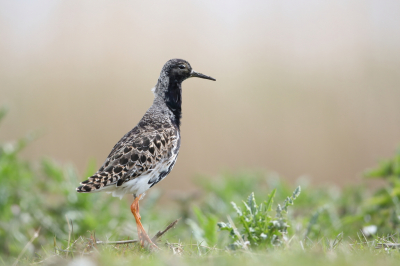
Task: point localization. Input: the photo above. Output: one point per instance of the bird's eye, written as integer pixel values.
(182, 66)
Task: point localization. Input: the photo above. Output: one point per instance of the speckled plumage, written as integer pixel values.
(147, 153)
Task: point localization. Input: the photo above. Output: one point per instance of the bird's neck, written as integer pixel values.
(171, 94)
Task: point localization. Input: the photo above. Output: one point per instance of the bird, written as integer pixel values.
(146, 154)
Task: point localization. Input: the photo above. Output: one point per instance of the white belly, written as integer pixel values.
(141, 183)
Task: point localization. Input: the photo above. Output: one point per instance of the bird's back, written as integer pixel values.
(142, 158)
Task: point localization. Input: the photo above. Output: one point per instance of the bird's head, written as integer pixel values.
(178, 70)
(168, 88)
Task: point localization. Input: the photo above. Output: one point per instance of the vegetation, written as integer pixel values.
(44, 221)
(383, 208)
(258, 227)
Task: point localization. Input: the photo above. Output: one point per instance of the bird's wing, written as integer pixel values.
(135, 154)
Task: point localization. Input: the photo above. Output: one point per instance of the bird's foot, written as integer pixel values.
(144, 238)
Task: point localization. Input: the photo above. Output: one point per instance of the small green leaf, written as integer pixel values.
(268, 205)
(251, 202)
(224, 226)
(237, 209)
(296, 192)
(247, 208)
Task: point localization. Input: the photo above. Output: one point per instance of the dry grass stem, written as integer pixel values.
(155, 238)
(35, 235)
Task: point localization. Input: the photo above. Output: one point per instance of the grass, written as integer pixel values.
(336, 252)
(44, 221)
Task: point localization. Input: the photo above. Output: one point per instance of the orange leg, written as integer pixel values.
(141, 232)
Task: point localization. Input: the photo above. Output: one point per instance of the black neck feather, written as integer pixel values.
(173, 99)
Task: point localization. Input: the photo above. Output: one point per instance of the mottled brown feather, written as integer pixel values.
(137, 153)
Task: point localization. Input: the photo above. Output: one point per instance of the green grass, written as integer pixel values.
(44, 221)
(323, 252)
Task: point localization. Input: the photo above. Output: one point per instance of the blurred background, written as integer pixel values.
(303, 87)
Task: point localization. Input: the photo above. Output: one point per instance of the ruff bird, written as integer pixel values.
(147, 153)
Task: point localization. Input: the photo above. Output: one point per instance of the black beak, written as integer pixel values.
(199, 75)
